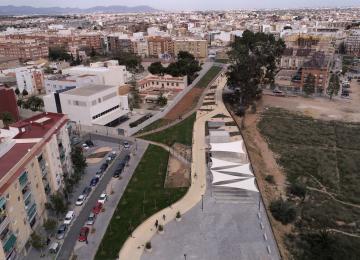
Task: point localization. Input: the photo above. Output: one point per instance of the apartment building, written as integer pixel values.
(109, 72)
(352, 43)
(198, 48)
(24, 50)
(119, 44)
(34, 157)
(158, 45)
(140, 47)
(89, 105)
(319, 66)
(31, 79)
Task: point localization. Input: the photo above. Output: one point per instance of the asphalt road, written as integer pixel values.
(73, 232)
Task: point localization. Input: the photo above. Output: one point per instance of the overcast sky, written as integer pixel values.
(188, 4)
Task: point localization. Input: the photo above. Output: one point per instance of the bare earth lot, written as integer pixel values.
(265, 161)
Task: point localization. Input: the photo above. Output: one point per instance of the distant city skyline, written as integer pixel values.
(187, 4)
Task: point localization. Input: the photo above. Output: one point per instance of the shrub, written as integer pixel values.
(270, 179)
(148, 245)
(298, 189)
(283, 211)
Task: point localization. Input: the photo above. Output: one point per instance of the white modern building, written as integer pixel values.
(109, 72)
(56, 83)
(90, 105)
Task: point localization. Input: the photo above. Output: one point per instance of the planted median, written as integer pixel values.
(144, 196)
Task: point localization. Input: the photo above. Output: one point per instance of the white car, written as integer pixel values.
(80, 200)
(69, 217)
(85, 146)
(102, 198)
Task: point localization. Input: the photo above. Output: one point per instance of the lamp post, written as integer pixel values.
(202, 202)
(185, 256)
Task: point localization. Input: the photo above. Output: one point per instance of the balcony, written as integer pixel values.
(9, 242)
(31, 211)
(23, 179)
(4, 222)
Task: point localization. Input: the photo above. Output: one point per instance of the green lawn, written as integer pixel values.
(144, 196)
(312, 151)
(208, 77)
(179, 133)
(155, 125)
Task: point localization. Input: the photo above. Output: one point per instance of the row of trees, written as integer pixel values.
(34, 103)
(332, 89)
(185, 65)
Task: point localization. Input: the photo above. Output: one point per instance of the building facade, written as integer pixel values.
(198, 48)
(34, 157)
(90, 105)
(30, 79)
(8, 102)
(24, 50)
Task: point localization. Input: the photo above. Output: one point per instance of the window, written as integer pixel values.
(109, 96)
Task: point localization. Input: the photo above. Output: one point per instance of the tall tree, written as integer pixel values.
(78, 160)
(334, 86)
(309, 85)
(17, 91)
(156, 68)
(25, 92)
(254, 58)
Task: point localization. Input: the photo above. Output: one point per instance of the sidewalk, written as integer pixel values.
(134, 246)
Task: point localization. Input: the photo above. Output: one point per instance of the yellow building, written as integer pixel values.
(34, 156)
(198, 48)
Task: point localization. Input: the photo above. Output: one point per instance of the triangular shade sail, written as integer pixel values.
(244, 169)
(217, 163)
(234, 147)
(246, 184)
(219, 177)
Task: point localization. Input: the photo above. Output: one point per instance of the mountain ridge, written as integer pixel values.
(30, 10)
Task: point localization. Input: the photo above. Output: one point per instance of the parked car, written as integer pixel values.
(89, 143)
(60, 234)
(102, 198)
(80, 200)
(104, 166)
(84, 232)
(86, 191)
(97, 208)
(117, 173)
(99, 174)
(91, 219)
(69, 217)
(54, 247)
(111, 156)
(85, 146)
(126, 145)
(94, 181)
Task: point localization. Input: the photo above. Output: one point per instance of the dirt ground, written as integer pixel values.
(321, 108)
(98, 155)
(185, 105)
(264, 160)
(178, 174)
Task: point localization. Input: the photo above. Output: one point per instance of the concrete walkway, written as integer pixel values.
(134, 246)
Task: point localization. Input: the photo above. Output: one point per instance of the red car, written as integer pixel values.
(97, 209)
(84, 231)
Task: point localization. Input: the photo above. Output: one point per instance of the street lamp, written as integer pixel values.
(185, 256)
(202, 202)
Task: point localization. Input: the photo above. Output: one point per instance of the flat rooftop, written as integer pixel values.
(89, 91)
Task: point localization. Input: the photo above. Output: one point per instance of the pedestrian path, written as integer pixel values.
(134, 246)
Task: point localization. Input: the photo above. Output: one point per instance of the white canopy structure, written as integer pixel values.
(219, 177)
(244, 169)
(246, 184)
(218, 163)
(234, 147)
